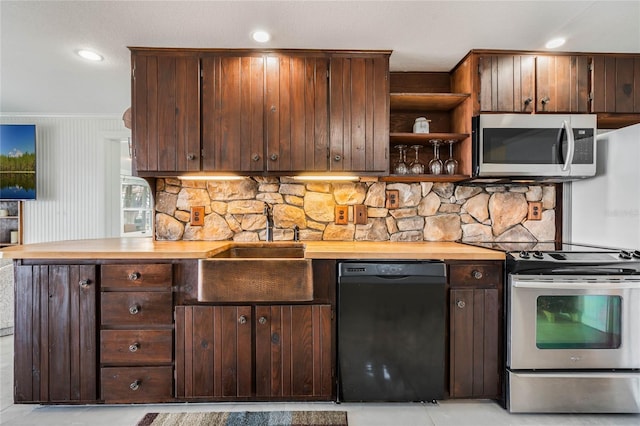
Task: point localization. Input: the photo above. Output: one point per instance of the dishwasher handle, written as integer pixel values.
(391, 279)
(391, 270)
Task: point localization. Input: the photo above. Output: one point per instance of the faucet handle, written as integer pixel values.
(296, 233)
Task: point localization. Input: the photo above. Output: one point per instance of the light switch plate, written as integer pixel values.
(535, 211)
(360, 214)
(393, 199)
(197, 216)
(342, 215)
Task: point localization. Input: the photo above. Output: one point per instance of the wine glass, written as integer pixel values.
(401, 168)
(451, 165)
(417, 168)
(435, 165)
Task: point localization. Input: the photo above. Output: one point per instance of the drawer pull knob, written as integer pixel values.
(134, 386)
(262, 320)
(477, 274)
(134, 276)
(460, 304)
(242, 319)
(337, 157)
(134, 309)
(84, 283)
(255, 157)
(134, 347)
(191, 157)
(274, 157)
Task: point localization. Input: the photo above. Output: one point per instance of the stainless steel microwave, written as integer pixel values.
(543, 147)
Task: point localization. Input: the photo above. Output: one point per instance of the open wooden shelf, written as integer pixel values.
(424, 178)
(424, 138)
(426, 101)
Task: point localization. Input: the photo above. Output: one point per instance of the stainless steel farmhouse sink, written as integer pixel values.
(256, 273)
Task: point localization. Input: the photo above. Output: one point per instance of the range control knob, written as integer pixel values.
(636, 254)
(524, 254)
(625, 254)
(538, 254)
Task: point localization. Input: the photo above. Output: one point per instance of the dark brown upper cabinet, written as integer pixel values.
(166, 111)
(259, 111)
(616, 84)
(264, 113)
(533, 83)
(359, 114)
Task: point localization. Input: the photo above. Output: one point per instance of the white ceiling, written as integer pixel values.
(41, 74)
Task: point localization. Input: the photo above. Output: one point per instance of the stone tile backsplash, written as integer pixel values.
(427, 211)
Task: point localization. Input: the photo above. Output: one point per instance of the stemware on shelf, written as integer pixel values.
(416, 168)
(451, 165)
(400, 167)
(435, 165)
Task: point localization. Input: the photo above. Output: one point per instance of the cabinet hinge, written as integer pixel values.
(133, 73)
(479, 69)
(135, 153)
(590, 98)
(590, 66)
(201, 73)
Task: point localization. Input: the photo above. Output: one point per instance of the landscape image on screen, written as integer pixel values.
(17, 162)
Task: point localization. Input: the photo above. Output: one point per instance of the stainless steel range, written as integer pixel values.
(573, 329)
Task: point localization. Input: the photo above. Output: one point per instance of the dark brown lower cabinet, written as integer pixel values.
(254, 352)
(475, 313)
(55, 334)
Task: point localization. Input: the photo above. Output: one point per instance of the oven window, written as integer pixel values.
(578, 322)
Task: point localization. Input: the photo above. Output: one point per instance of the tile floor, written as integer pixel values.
(446, 413)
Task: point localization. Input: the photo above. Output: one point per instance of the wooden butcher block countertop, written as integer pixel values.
(147, 248)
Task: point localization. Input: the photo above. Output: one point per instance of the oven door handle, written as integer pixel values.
(560, 284)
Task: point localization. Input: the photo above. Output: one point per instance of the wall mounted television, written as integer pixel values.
(17, 162)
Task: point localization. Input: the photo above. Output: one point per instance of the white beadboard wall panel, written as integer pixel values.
(78, 164)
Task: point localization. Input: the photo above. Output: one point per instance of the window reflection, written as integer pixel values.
(578, 322)
(136, 204)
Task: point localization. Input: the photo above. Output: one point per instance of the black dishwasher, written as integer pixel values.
(391, 331)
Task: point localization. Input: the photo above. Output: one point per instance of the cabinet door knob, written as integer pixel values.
(134, 276)
(191, 157)
(84, 283)
(545, 100)
(273, 108)
(460, 304)
(255, 157)
(262, 320)
(338, 157)
(528, 100)
(242, 319)
(134, 347)
(134, 309)
(476, 274)
(274, 157)
(134, 386)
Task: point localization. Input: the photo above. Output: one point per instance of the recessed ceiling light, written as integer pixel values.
(89, 55)
(261, 36)
(556, 42)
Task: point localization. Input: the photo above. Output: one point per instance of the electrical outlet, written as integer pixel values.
(393, 199)
(535, 211)
(360, 214)
(342, 215)
(197, 216)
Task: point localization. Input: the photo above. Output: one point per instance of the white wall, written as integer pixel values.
(605, 210)
(78, 177)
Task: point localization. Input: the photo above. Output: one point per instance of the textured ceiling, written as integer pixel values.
(41, 74)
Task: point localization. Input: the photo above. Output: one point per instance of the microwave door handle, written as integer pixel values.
(572, 145)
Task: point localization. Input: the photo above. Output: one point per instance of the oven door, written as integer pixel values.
(570, 322)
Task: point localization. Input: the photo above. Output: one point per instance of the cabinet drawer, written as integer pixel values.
(136, 384)
(475, 274)
(157, 275)
(136, 346)
(136, 308)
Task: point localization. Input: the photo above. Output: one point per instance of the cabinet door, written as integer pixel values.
(562, 84)
(166, 109)
(507, 83)
(55, 334)
(213, 352)
(297, 113)
(293, 351)
(359, 114)
(233, 113)
(616, 84)
(474, 345)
